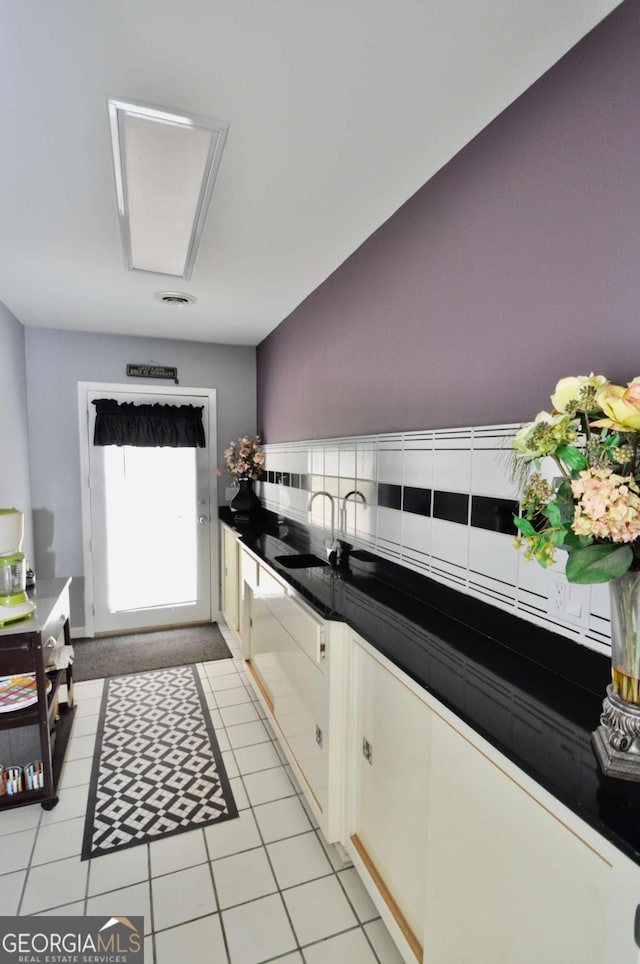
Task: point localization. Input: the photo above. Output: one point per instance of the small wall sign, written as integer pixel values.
(152, 371)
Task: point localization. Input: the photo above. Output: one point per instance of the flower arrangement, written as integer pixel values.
(591, 505)
(244, 459)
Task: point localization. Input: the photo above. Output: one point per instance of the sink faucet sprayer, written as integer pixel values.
(333, 547)
(356, 493)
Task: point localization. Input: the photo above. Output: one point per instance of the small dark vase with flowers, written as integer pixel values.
(245, 461)
(245, 505)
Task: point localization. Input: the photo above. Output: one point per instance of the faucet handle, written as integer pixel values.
(334, 551)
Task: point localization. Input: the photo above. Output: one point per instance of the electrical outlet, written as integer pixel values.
(558, 597)
(569, 603)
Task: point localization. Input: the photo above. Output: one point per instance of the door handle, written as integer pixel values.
(202, 519)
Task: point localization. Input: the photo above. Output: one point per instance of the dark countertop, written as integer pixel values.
(534, 695)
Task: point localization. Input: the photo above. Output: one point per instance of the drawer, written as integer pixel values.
(308, 631)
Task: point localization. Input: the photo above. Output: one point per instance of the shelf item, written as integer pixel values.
(22, 609)
(33, 776)
(18, 692)
(34, 723)
(11, 781)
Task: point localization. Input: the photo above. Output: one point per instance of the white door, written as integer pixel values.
(150, 525)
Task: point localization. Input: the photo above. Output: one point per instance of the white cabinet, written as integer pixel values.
(507, 879)
(465, 856)
(390, 737)
(230, 578)
(623, 918)
(299, 680)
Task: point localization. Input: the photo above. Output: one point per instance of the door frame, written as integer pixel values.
(209, 397)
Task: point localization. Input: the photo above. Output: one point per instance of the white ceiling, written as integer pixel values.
(339, 110)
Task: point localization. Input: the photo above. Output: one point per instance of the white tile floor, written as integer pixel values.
(263, 887)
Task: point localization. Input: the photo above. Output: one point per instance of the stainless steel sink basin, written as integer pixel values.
(300, 561)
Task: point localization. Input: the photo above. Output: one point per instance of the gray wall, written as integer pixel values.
(15, 485)
(56, 361)
(515, 265)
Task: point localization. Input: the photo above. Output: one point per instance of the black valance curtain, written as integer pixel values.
(127, 423)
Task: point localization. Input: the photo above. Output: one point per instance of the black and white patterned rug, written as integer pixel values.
(157, 768)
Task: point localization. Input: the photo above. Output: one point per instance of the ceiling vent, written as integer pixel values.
(165, 165)
(176, 298)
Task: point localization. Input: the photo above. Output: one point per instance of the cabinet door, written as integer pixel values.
(230, 579)
(301, 712)
(294, 688)
(266, 641)
(390, 791)
(507, 881)
(623, 932)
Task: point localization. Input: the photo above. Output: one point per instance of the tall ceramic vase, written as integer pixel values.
(245, 504)
(617, 739)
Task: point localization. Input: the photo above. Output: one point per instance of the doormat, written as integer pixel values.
(157, 768)
(138, 652)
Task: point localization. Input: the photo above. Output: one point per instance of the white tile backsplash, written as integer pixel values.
(365, 531)
(475, 560)
(451, 468)
(347, 461)
(490, 474)
(366, 459)
(418, 467)
(600, 601)
(332, 461)
(354, 517)
(316, 459)
(493, 554)
(450, 542)
(389, 530)
(390, 464)
(416, 534)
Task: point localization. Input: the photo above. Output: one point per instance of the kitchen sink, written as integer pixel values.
(301, 561)
(362, 555)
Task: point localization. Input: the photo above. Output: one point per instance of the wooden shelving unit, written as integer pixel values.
(40, 731)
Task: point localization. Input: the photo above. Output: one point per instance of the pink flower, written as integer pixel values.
(244, 458)
(633, 391)
(607, 507)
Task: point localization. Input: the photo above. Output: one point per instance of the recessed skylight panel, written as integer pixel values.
(165, 167)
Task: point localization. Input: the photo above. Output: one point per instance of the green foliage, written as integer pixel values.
(578, 471)
(572, 457)
(599, 562)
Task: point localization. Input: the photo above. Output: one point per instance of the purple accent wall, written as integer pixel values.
(517, 264)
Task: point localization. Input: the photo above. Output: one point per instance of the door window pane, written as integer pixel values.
(151, 517)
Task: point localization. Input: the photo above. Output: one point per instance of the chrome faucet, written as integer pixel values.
(333, 546)
(343, 508)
